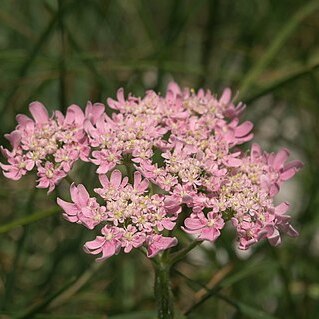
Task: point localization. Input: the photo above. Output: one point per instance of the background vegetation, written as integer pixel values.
(71, 51)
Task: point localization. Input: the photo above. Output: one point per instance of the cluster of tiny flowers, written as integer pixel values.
(51, 145)
(164, 163)
(132, 215)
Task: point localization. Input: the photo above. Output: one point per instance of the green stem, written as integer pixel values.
(162, 290)
(28, 219)
(62, 77)
(69, 179)
(278, 42)
(182, 253)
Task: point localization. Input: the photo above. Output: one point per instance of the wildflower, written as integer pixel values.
(109, 244)
(84, 210)
(206, 227)
(163, 162)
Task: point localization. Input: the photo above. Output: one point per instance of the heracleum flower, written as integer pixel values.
(165, 163)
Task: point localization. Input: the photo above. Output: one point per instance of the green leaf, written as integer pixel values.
(276, 45)
(63, 294)
(30, 58)
(29, 219)
(34, 309)
(245, 309)
(252, 312)
(283, 80)
(248, 271)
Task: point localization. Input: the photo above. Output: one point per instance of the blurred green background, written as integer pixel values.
(71, 51)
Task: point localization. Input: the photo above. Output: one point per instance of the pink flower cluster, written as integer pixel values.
(51, 145)
(132, 215)
(165, 164)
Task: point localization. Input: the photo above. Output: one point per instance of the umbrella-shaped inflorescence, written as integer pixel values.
(164, 163)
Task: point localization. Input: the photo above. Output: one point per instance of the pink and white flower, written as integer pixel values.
(163, 162)
(205, 227)
(109, 244)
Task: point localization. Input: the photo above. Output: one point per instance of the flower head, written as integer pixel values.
(163, 162)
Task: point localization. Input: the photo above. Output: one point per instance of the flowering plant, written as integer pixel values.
(167, 166)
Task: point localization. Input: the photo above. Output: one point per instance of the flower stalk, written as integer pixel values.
(182, 253)
(162, 285)
(162, 289)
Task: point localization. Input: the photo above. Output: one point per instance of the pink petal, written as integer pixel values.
(79, 195)
(282, 208)
(29, 165)
(120, 95)
(280, 158)
(116, 178)
(137, 179)
(39, 112)
(143, 185)
(14, 138)
(173, 90)
(138, 240)
(43, 183)
(193, 223)
(243, 129)
(296, 164)
(93, 112)
(124, 181)
(226, 96)
(104, 180)
(105, 167)
(14, 175)
(232, 162)
(159, 244)
(5, 167)
(288, 174)
(83, 196)
(70, 218)
(108, 250)
(120, 99)
(74, 114)
(274, 189)
(255, 151)
(69, 208)
(74, 192)
(6, 153)
(292, 232)
(59, 116)
(209, 233)
(88, 126)
(168, 224)
(274, 239)
(23, 119)
(98, 242)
